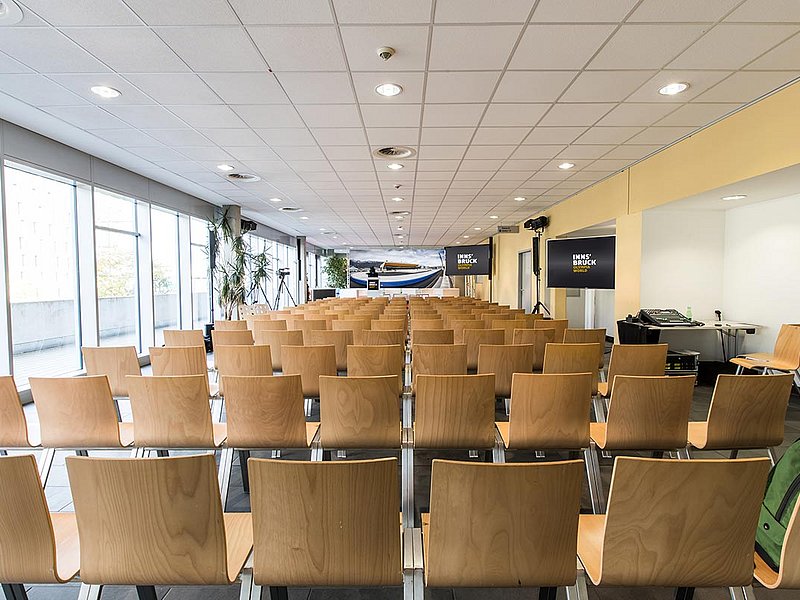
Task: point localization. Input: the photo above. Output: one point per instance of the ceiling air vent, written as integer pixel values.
(290, 209)
(394, 152)
(400, 213)
(243, 177)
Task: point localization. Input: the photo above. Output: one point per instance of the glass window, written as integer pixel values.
(201, 298)
(42, 274)
(116, 253)
(166, 299)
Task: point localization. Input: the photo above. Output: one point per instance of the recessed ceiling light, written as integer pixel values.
(304, 218)
(493, 217)
(399, 217)
(105, 92)
(400, 228)
(389, 89)
(336, 237)
(398, 199)
(477, 228)
(520, 199)
(276, 199)
(566, 165)
(394, 166)
(10, 13)
(322, 229)
(673, 88)
(466, 236)
(225, 167)
(735, 197)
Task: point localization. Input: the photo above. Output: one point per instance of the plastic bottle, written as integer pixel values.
(689, 312)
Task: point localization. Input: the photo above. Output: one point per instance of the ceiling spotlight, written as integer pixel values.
(466, 236)
(399, 217)
(10, 13)
(304, 218)
(477, 228)
(520, 199)
(398, 199)
(566, 165)
(735, 197)
(276, 199)
(389, 89)
(394, 166)
(673, 88)
(322, 229)
(399, 228)
(105, 92)
(493, 216)
(225, 167)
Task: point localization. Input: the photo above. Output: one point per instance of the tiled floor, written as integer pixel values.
(59, 499)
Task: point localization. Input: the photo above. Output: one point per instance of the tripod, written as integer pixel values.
(539, 307)
(282, 287)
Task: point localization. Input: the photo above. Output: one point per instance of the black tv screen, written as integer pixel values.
(468, 260)
(581, 263)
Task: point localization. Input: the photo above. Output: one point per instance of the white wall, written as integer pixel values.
(761, 281)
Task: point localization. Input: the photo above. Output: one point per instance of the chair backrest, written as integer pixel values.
(460, 325)
(374, 361)
(748, 411)
(530, 318)
(359, 412)
(13, 426)
(234, 337)
(340, 340)
(504, 360)
(682, 523)
(26, 532)
(309, 362)
(587, 336)
(308, 325)
(787, 346)
(559, 325)
(116, 362)
(454, 411)
(649, 413)
(788, 575)
(439, 359)
(538, 338)
(573, 358)
(549, 411)
(384, 324)
(179, 360)
(75, 412)
(431, 336)
(230, 325)
(151, 521)
(490, 318)
(345, 511)
(636, 359)
(276, 340)
(386, 337)
(356, 325)
(475, 338)
(265, 412)
(182, 337)
(242, 360)
(508, 326)
(475, 505)
(268, 325)
(426, 323)
(171, 412)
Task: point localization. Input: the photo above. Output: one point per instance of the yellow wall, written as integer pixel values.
(756, 140)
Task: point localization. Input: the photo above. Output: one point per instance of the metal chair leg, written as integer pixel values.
(308, 404)
(499, 449)
(255, 593)
(146, 592)
(599, 409)
(579, 590)
(46, 464)
(592, 463)
(243, 456)
(407, 479)
(246, 589)
(225, 467)
(772, 456)
(278, 593)
(14, 591)
(90, 592)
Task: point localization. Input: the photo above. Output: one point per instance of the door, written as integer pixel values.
(525, 270)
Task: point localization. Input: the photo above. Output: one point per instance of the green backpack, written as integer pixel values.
(783, 489)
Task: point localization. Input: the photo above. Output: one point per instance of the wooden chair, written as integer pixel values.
(460, 325)
(37, 546)
(181, 360)
(340, 340)
(420, 323)
(183, 337)
(230, 325)
(14, 430)
(242, 360)
(236, 337)
(387, 337)
(682, 524)
(375, 361)
(588, 336)
(346, 511)
(268, 325)
(431, 336)
(634, 359)
(391, 324)
(747, 411)
(573, 358)
(785, 357)
(538, 338)
(358, 412)
(788, 574)
(504, 360)
(529, 319)
(475, 338)
(276, 340)
(309, 362)
(147, 522)
(473, 506)
(559, 325)
(438, 359)
(309, 325)
(508, 326)
(490, 318)
(354, 325)
(116, 362)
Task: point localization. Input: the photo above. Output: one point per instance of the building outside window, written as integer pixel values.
(201, 285)
(166, 287)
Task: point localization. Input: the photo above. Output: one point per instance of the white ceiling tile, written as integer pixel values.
(559, 46)
(179, 137)
(174, 88)
(268, 115)
(533, 86)
(156, 153)
(412, 84)
(300, 152)
(513, 114)
(384, 115)
(481, 11)
(205, 153)
(91, 12)
(47, 51)
(347, 152)
(463, 47)
(584, 151)
(434, 176)
(208, 116)
(731, 46)
(144, 117)
(226, 49)
(784, 57)
(699, 81)
(338, 136)
(636, 113)
(563, 114)
(9, 65)
(286, 136)
(310, 166)
(361, 44)
(607, 164)
(460, 87)
(646, 46)
(393, 136)
(282, 12)
(438, 165)
(86, 117)
(233, 137)
(745, 86)
(632, 151)
(545, 151)
(246, 88)
(500, 135)
(290, 48)
(772, 11)
(553, 135)
(369, 11)
(330, 115)
(581, 11)
(197, 12)
(251, 152)
(605, 86)
(489, 152)
(126, 137)
(697, 114)
(681, 11)
(317, 88)
(114, 47)
(452, 115)
(432, 151)
(37, 90)
(81, 84)
(362, 166)
(486, 165)
(661, 135)
(447, 136)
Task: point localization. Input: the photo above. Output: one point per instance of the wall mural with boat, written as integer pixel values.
(399, 267)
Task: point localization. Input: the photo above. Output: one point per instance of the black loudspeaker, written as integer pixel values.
(536, 260)
(212, 250)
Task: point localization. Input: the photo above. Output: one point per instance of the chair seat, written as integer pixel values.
(502, 427)
(238, 540)
(698, 434)
(220, 433)
(602, 388)
(311, 431)
(126, 434)
(213, 389)
(764, 573)
(68, 554)
(752, 362)
(590, 544)
(598, 431)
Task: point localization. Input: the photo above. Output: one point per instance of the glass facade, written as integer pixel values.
(166, 275)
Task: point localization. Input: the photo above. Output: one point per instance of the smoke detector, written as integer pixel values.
(394, 152)
(243, 177)
(10, 13)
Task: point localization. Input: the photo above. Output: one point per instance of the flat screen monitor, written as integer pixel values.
(581, 262)
(468, 260)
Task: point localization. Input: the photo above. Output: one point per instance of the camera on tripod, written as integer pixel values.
(283, 272)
